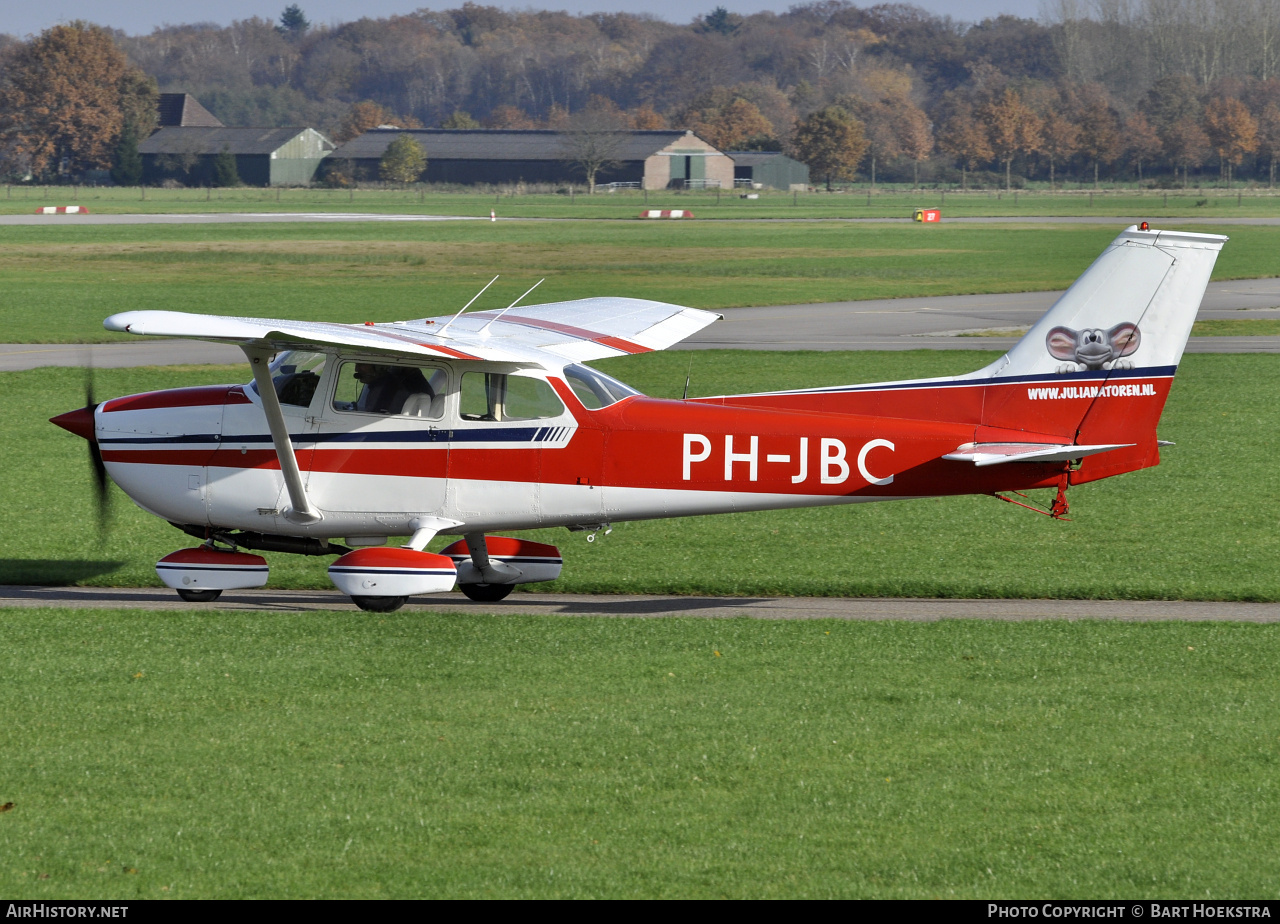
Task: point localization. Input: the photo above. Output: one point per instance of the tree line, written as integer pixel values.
(1143, 90)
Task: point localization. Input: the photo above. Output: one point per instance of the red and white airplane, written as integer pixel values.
(489, 422)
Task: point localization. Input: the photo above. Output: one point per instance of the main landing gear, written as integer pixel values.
(489, 567)
(378, 579)
(378, 604)
(486, 593)
(200, 575)
(199, 596)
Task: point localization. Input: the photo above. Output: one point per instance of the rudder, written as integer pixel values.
(1097, 368)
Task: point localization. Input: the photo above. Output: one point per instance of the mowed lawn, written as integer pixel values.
(341, 754)
(195, 753)
(887, 201)
(1199, 526)
(60, 281)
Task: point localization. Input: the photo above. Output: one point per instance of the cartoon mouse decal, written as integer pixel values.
(1093, 348)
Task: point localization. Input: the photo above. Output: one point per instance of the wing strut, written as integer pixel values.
(302, 512)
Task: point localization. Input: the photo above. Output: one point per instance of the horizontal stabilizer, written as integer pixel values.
(998, 453)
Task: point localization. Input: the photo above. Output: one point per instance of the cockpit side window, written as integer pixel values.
(386, 388)
(595, 389)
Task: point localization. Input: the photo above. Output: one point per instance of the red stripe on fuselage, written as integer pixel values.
(642, 443)
(992, 403)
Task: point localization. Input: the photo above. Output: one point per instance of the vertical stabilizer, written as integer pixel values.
(1098, 366)
(1133, 308)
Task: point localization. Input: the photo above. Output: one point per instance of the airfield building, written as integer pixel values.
(264, 156)
(183, 109)
(647, 159)
(768, 170)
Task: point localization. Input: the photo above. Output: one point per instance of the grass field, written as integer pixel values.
(1228, 327)
(269, 755)
(1197, 527)
(189, 754)
(886, 202)
(60, 282)
(1236, 328)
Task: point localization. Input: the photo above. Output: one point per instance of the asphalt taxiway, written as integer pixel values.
(952, 322)
(540, 604)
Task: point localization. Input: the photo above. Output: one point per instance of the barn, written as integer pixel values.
(264, 156)
(768, 170)
(183, 109)
(649, 159)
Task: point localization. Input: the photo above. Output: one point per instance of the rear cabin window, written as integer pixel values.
(498, 396)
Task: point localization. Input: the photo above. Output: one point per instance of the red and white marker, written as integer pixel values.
(666, 213)
(63, 210)
(493, 215)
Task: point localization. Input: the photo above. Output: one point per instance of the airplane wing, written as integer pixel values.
(589, 328)
(981, 454)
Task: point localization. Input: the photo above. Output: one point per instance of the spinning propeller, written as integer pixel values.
(80, 422)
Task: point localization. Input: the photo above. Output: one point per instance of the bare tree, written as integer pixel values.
(593, 142)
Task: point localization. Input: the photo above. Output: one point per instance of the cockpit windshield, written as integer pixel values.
(595, 389)
(296, 373)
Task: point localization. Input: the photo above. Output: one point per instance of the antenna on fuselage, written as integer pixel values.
(688, 376)
(512, 305)
(440, 332)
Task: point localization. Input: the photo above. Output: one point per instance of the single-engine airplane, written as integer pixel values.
(490, 421)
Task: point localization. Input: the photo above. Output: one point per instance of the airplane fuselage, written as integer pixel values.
(204, 456)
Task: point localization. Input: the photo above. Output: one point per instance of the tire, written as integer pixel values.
(379, 604)
(486, 593)
(200, 596)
